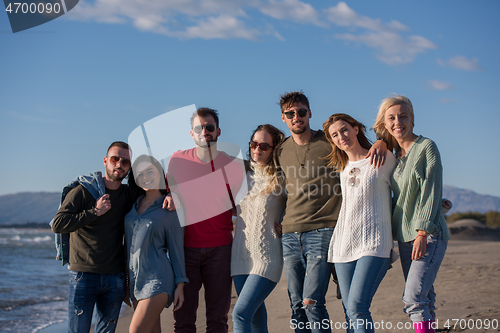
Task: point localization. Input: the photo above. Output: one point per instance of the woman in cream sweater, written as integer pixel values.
(257, 257)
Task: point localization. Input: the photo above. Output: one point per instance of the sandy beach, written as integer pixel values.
(467, 287)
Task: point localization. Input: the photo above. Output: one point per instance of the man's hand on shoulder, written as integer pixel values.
(168, 203)
(102, 205)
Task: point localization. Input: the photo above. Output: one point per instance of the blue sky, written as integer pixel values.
(70, 87)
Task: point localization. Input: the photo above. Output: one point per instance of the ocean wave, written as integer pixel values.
(20, 236)
(26, 240)
(50, 323)
(9, 305)
(16, 231)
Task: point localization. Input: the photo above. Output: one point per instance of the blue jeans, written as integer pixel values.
(419, 296)
(358, 282)
(308, 272)
(249, 313)
(104, 291)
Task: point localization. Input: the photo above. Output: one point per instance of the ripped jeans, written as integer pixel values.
(104, 291)
(308, 273)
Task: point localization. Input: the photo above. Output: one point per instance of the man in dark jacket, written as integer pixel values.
(96, 255)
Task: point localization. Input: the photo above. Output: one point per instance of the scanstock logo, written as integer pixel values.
(200, 190)
(28, 14)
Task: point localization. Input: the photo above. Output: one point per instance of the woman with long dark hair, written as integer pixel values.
(154, 243)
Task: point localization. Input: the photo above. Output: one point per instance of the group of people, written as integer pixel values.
(319, 202)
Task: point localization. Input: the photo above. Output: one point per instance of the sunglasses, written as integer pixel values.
(263, 146)
(291, 114)
(124, 161)
(199, 128)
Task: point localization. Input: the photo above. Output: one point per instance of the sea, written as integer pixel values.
(33, 285)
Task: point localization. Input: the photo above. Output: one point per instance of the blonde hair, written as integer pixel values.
(338, 158)
(379, 126)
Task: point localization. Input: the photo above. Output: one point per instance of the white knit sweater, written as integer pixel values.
(256, 247)
(364, 224)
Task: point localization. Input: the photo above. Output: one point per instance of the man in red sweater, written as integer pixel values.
(205, 180)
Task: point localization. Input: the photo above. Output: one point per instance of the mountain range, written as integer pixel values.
(40, 207)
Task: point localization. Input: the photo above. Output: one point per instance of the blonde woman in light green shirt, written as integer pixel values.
(418, 222)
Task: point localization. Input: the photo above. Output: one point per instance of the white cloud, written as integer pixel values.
(344, 16)
(231, 19)
(439, 85)
(293, 10)
(392, 47)
(222, 27)
(461, 62)
(213, 18)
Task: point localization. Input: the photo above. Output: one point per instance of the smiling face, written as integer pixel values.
(257, 154)
(343, 135)
(204, 135)
(147, 176)
(297, 124)
(398, 121)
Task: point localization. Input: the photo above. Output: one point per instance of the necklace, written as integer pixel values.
(302, 161)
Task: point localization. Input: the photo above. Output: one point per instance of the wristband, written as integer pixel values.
(425, 237)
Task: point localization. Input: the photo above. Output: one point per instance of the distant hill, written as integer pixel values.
(28, 207)
(21, 208)
(467, 200)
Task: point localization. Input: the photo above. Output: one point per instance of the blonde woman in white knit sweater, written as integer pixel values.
(362, 241)
(257, 257)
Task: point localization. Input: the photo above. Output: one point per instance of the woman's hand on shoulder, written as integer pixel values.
(377, 153)
(447, 205)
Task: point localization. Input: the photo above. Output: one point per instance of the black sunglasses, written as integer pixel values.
(263, 146)
(199, 128)
(291, 114)
(124, 161)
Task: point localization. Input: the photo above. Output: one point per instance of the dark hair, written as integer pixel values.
(338, 158)
(154, 161)
(204, 112)
(290, 99)
(119, 144)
